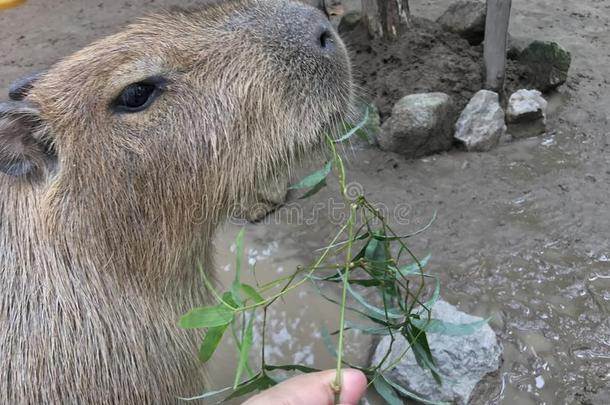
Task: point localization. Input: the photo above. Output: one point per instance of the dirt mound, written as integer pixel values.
(425, 59)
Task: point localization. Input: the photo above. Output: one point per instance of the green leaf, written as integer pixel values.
(314, 190)
(410, 394)
(239, 253)
(393, 313)
(244, 350)
(366, 283)
(421, 349)
(259, 383)
(314, 178)
(227, 297)
(354, 129)
(368, 330)
(376, 255)
(336, 278)
(413, 268)
(210, 342)
(364, 135)
(410, 235)
(206, 317)
(381, 320)
(292, 367)
(448, 328)
(435, 295)
(252, 293)
(356, 238)
(206, 394)
(374, 250)
(386, 391)
(328, 341)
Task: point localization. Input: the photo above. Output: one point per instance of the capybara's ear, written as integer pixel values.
(20, 88)
(24, 147)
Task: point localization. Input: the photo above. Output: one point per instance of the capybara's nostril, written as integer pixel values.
(326, 40)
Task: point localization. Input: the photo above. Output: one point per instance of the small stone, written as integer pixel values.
(421, 124)
(481, 124)
(546, 63)
(349, 21)
(526, 114)
(463, 361)
(590, 178)
(467, 19)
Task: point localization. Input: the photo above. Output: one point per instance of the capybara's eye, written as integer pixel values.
(137, 96)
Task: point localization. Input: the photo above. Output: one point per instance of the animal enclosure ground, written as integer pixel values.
(522, 233)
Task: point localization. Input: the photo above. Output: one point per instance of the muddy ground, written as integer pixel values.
(522, 233)
(427, 58)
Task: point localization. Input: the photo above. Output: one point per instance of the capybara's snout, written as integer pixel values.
(313, 29)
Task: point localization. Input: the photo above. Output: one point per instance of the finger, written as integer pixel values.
(9, 3)
(353, 387)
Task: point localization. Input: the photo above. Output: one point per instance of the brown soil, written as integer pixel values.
(425, 59)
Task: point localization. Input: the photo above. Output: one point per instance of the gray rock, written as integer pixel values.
(481, 124)
(546, 64)
(462, 360)
(349, 21)
(526, 113)
(420, 124)
(467, 19)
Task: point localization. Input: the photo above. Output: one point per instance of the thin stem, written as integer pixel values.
(300, 282)
(348, 256)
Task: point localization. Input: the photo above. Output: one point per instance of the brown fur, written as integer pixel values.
(99, 248)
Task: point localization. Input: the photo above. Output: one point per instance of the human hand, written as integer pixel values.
(314, 389)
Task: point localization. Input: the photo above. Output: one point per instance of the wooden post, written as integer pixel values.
(494, 52)
(386, 18)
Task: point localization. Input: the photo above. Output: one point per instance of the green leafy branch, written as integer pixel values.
(366, 258)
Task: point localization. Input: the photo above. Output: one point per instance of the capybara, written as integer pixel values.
(116, 166)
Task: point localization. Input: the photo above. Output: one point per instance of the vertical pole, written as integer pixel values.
(494, 52)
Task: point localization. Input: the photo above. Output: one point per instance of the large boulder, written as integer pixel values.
(420, 124)
(467, 19)
(462, 360)
(481, 124)
(546, 64)
(526, 114)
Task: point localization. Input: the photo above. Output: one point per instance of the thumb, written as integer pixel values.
(314, 389)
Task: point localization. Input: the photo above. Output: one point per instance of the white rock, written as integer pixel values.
(462, 360)
(481, 124)
(526, 113)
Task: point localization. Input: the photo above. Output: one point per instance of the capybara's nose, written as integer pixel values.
(309, 27)
(324, 37)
